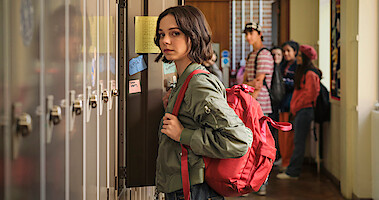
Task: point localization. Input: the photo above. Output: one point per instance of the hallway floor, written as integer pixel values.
(309, 186)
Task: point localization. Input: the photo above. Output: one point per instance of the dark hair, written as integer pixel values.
(192, 23)
(251, 30)
(294, 45)
(276, 47)
(302, 69)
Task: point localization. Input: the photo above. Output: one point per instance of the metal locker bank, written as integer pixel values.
(69, 126)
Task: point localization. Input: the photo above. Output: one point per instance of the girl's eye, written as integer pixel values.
(161, 35)
(175, 33)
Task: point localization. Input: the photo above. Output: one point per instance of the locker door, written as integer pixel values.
(63, 53)
(103, 59)
(23, 128)
(3, 97)
(91, 109)
(55, 62)
(112, 119)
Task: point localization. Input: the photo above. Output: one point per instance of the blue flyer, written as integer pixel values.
(136, 65)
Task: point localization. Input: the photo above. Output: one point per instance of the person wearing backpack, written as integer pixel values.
(205, 124)
(307, 87)
(259, 66)
(288, 67)
(278, 89)
(258, 72)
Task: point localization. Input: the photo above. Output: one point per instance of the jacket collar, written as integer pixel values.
(190, 68)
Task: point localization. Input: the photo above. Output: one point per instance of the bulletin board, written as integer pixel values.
(335, 74)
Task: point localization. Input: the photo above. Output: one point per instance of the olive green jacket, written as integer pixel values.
(211, 128)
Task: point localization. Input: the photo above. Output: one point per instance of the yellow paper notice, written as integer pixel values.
(145, 33)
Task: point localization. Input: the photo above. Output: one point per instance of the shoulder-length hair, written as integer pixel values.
(191, 21)
(302, 69)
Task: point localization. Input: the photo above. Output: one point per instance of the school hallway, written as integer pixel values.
(309, 186)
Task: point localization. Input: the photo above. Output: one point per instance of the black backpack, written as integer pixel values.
(322, 107)
(277, 89)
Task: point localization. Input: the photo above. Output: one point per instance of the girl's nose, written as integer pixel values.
(166, 39)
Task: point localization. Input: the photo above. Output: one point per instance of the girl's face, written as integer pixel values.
(278, 55)
(289, 53)
(299, 59)
(172, 41)
(252, 37)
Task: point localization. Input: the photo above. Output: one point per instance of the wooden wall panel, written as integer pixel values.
(217, 15)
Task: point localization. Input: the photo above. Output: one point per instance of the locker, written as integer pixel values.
(21, 115)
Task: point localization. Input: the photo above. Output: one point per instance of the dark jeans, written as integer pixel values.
(302, 127)
(198, 192)
(275, 116)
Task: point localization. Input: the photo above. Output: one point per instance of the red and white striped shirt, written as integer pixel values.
(265, 66)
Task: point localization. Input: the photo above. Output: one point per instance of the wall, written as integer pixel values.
(349, 92)
(359, 92)
(367, 93)
(304, 19)
(331, 145)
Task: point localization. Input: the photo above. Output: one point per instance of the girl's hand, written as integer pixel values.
(172, 127)
(165, 99)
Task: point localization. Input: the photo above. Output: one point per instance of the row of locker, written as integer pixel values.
(70, 129)
(59, 99)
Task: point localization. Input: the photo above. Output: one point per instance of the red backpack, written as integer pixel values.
(237, 176)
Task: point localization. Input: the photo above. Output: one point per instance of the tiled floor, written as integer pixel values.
(309, 186)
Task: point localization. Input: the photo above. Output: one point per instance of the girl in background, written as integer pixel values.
(307, 87)
(277, 54)
(290, 51)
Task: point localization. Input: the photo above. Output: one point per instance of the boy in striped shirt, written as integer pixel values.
(259, 67)
(254, 75)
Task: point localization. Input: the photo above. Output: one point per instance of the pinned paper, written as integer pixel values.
(134, 86)
(169, 68)
(145, 27)
(136, 65)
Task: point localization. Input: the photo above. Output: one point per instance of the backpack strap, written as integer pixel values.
(256, 59)
(255, 67)
(184, 156)
(183, 90)
(313, 103)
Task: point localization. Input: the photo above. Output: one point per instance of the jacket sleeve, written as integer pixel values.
(221, 133)
(308, 94)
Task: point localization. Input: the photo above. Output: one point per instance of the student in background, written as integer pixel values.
(290, 51)
(259, 67)
(307, 87)
(277, 54)
(212, 67)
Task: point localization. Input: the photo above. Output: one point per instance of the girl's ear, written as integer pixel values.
(189, 43)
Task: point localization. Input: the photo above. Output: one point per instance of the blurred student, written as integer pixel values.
(290, 51)
(307, 87)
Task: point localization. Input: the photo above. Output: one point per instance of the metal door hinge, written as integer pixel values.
(122, 172)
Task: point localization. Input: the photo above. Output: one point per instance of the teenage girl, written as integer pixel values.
(205, 121)
(290, 51)
(307, 87)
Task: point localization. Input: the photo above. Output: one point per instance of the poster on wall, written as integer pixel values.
(335, 74)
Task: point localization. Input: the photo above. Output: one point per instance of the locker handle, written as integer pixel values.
(24, 124)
